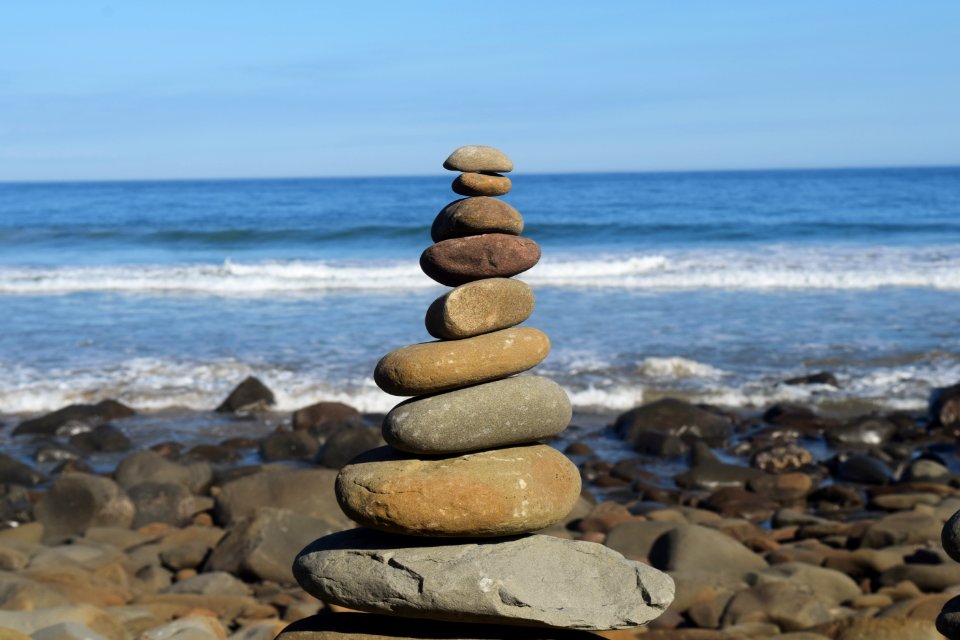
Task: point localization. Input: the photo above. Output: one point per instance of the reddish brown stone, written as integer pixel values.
(492, 255)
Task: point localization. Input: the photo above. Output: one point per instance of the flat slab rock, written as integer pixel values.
(532, 580)
(488, 493)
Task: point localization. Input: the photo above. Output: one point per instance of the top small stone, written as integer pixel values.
(475, 157)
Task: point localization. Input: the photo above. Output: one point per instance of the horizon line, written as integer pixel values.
(431, 175)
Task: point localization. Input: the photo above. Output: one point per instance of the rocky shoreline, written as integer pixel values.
(785, 523)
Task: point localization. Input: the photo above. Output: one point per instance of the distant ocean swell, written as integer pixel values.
(156, 384)
(760, 268)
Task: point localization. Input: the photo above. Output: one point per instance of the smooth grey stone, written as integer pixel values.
(495, 414)
(532, 580)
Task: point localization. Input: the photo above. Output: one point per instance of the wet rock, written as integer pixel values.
(149, 466)
(902, 528)
(796, 417)
(346, 443)
(54, 451)
(696, 548)
(167, 502)
(862, 432)
(12, 471)
(103, 438)
(782, 458)
(677, 418)
(84, 414)
(707, 472)
(821, 377)
(659, 444)
(863, 469)
(315, 416)
(591, 586)
(945, 406)
(307, 491)
(77, 501)
(263, 546)
(339, 626)
(249, 395)
(289, 445)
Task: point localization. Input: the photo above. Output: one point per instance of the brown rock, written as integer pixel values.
(481, 184)
(479, 158)
(489, 493)
(430, 367)
(479, 307)
(491, 255)
(317, 415)
(475, 216)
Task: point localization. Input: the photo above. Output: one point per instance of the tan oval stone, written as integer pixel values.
(497, 492)
(481, 184)
(491, 255)
(429, 367)
(475, 216)
(478, 158)
(479, 307)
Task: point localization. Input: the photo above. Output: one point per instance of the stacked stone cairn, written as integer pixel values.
(948, 622)
(450, 509)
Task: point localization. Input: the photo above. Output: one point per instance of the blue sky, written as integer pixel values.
(173, 89)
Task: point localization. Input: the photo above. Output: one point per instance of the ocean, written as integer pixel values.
(712, 286)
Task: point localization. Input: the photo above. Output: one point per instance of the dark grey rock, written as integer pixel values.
(636, 539)
(315, 417)
(494, 414)
(264, 546)
(86, 414)
(696, 548)
(103, 438)
(249, 395)
(289, 445)
(167, 502)
(948, 621)
(590, 586)
(12, 471)
(950, 536)
(677, 418)
(305, 491)
(864, 469)
(149, 466)
(77, 501)
(346, 443)
(54, 451)
(866, 431)
(821, 377)
(945, 406)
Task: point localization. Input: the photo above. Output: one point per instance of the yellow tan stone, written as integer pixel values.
(479, 307)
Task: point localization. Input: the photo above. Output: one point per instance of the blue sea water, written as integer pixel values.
(716, 286)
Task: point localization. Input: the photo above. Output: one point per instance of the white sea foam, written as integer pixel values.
(676, 368)
(763, 268)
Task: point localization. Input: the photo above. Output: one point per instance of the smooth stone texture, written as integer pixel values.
(950, 536)
(489, 493)
(696, 548)
(366, 626)
(477, 158)
(532, 580)
(475, 216)
(431, 367)
(491, 255)
(495, 414)
(481, 184)
(479, 307)
(78, 501)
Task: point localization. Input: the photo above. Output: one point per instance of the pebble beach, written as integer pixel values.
(733, 497)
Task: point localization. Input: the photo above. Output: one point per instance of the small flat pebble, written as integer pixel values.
(478, 158)
(481, 184)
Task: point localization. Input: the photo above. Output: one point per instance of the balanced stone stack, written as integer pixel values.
(449, 510)
(948, 622)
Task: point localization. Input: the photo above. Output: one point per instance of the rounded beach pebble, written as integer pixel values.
(498, 492)
(475, 216)
(492, 255)
(481, 184)
(479, 307)
(431, 367)
(495, 414)
(476, 158)
(532, 580)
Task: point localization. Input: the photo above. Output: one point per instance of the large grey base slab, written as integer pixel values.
(531, 580)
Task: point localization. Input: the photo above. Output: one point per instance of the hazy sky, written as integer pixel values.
(245, 89)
